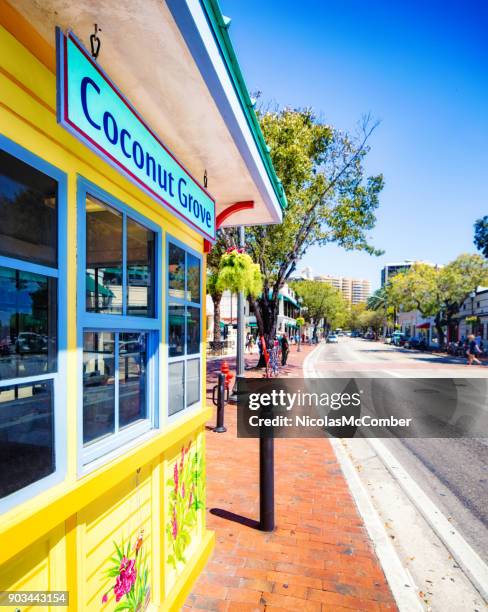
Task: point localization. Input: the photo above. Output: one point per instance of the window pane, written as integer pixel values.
(26, 435)
(28, 212)
(103, 258)
(176, 330)
(140, 270)
(132, 378)
(98, 385)
(193, 330)
(192, 381)
(193, 280)
(28, 321)
(176, 387)
(176, 271)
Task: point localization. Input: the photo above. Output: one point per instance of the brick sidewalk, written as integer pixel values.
(318, 558)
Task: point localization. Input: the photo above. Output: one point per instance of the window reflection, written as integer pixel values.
(103, 258)
(193, 330)
(176, 329)
(28, 212)
(193, 279)
(28, 320)
(140, 270)
(98, 385)
(176, 387)
(176, 271)
(26, 435)
(132, 378)
(192, 381)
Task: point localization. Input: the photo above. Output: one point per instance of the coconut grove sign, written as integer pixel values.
(93, 109)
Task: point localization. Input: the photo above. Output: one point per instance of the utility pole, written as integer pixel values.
(240, 318)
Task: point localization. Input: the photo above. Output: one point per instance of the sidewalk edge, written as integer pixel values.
(399, 579)
(471, 563)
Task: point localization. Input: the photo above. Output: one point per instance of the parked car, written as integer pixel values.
(416, 342)
(332, 339)
(399, 339)
(355, 334)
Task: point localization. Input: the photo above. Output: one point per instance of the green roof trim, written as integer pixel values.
(220, 30)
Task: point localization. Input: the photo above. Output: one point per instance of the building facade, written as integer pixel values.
(354, 290)
(104, 227)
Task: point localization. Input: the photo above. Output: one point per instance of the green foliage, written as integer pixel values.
(353, 316)
(321, 301)
(300, 321)
(481, 235)
(372, 319)
(238, 272)
(329, 198)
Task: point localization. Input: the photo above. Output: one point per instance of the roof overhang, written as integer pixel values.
(174, 64)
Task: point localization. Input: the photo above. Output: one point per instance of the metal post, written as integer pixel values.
(266, 484)
(240, 319)
(220, 403)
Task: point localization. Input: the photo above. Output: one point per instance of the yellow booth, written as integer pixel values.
(127, 137)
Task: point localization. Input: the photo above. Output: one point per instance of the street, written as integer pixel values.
(452, 472)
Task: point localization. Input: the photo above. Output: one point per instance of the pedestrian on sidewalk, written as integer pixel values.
(285, 349)
(473, 350)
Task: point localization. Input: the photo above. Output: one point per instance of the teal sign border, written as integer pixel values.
(92, 108)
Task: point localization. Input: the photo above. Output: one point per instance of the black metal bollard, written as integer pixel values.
(220, 402)
(266, 484)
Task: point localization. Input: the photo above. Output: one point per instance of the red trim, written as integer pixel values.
(423, 326)
(225, 214)
(231, 210)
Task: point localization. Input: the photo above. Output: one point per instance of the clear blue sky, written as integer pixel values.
(421, 67)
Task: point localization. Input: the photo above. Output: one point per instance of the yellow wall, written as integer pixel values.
(62, 538)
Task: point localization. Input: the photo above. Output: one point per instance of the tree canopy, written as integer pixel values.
(321, 301)
(481, 235)
(330, 199)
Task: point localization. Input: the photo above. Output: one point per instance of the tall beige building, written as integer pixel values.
(354, 290)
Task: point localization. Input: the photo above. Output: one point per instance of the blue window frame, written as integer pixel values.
(33, 258)
(183, 326)
(119, 322)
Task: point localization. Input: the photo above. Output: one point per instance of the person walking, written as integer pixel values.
(285, 349)
(473, 350)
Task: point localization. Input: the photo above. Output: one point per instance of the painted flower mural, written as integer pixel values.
(186, 495)
(129, 568)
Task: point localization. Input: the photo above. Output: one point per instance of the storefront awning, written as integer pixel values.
(423, 326)
(176, 66)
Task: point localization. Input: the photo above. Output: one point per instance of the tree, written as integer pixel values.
(329, 200)
(372, 319)
(215, 291)
(438, 292)
(321, 301)
(481, 235)
(353, 317)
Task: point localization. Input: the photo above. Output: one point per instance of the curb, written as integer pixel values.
(471, 563)
(399, 579)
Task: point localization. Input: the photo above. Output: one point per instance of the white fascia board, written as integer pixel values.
(197, 33)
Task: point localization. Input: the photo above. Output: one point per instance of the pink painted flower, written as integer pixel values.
(176, 477)
(183, 490)
(125, 579)
(105, 598)
(138, 543)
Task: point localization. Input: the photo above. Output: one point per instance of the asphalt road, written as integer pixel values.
(452, 471)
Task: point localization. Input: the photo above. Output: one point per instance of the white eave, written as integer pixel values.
(164, 58)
